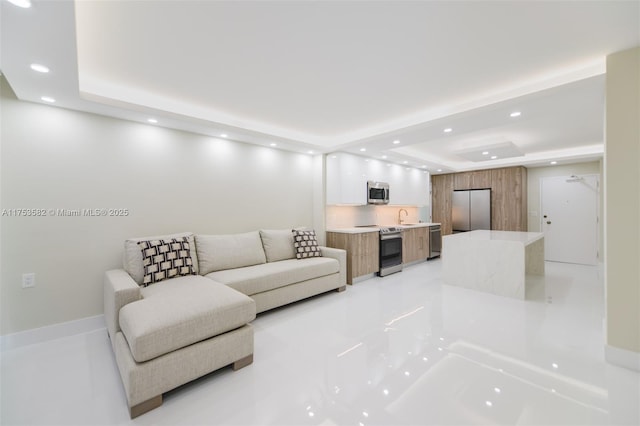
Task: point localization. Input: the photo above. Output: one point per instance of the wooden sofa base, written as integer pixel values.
(243, 362)
(146, 406)
(341, 289)
(156, 401)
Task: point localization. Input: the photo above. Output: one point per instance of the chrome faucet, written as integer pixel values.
(406, 213)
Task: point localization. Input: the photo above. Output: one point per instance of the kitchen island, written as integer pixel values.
(492, 261)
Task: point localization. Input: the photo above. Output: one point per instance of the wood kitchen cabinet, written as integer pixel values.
(441, 195)
(363, 252)
(479, 179)
(415, 244)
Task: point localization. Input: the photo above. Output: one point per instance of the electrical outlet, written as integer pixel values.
(28, 280)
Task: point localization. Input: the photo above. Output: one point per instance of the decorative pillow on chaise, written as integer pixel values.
(132, 255)
(164, 259)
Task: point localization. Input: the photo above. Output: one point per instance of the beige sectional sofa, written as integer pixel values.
(169, 332)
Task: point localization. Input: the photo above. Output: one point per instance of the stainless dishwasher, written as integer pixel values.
(435, 241)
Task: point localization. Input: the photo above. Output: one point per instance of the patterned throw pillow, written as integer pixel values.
(306, 244)
(164, 259)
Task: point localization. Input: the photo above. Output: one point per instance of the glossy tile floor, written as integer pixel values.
(399, 350)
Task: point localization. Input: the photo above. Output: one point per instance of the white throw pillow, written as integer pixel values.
(219, 252)
(278, 244)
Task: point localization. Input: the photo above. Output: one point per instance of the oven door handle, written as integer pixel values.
(390, 236)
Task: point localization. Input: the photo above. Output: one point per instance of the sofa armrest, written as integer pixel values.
(119, 289)
(341, 256)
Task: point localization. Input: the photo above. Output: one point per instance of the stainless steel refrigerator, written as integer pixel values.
(471, 210)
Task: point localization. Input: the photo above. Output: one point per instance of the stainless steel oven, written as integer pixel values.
(390, 251)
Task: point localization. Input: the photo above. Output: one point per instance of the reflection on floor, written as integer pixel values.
(400, 350)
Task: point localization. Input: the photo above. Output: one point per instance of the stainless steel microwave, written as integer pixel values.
(377, 192)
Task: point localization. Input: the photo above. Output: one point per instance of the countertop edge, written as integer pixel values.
(362, 230)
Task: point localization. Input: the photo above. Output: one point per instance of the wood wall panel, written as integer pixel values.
(441, 194)
(508, 196)
(509, 199)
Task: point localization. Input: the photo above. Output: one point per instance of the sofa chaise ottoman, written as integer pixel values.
(175, 331)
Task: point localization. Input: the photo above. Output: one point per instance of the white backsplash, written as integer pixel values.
(348, 216)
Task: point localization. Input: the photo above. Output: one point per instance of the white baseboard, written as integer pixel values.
(622, 357)
(51, 332)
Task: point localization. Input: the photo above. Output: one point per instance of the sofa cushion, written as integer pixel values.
(277, 244)
(218, 252)
(164, 259)
(306, 244)
(258, 278)
(132, 258)
(179, 312)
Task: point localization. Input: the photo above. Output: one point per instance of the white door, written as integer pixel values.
(569, 220)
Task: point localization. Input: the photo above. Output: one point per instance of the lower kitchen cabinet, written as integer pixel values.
(415, 244)
(363, 252)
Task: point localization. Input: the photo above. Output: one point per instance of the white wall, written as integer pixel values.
(170, 181)
(535, 174)
(622, 214)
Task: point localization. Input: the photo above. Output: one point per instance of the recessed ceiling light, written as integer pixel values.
(48, 99)
(384, 157)
(405, 162)
(424, 166)
(448, 130)
(363, 149)
(224, 135)
(309, 152)
(554, 162)
(396, 142)
(25, 4)
(273, 144)
(439, 170)
(493, 157)
(152, 120)
(515, 114)
(39, 68)
(488, 403)
(485, 152)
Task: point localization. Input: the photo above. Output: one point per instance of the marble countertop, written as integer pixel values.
(525, 238)
(363, 229)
